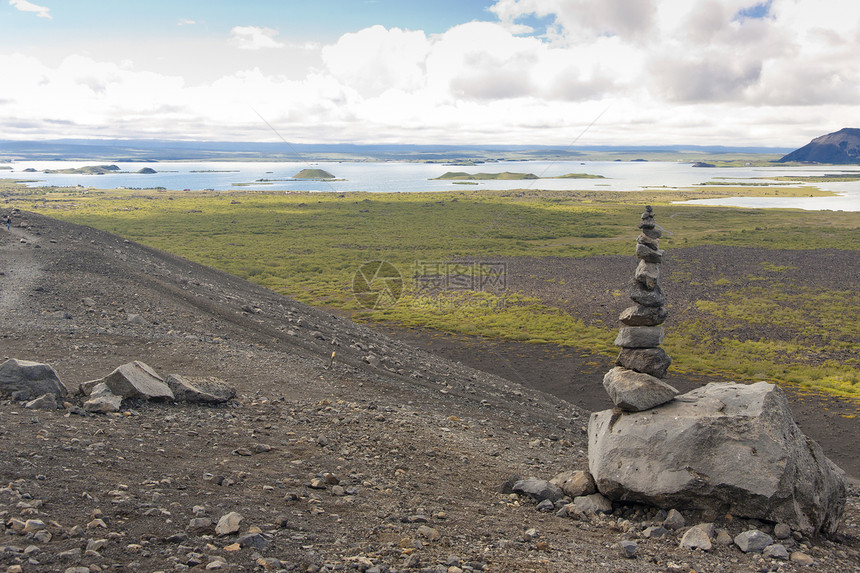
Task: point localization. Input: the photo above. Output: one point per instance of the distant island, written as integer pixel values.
(93, 170)
(317, 174)
(86, 170)
(838, 148)
(578, 176)
(506, 176)
(463, 176)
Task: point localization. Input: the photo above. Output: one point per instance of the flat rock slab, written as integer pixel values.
(725, 447)
(43, 402)
(199, 389)
(538, 489)
(639, 336)
(648, 254)
(29, 380)
(653, 361)
(636, 392)
(137, 380)
(639, 315)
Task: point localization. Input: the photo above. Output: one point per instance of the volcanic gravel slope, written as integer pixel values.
(386, 458)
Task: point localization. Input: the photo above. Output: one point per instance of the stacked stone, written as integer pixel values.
(635, 383)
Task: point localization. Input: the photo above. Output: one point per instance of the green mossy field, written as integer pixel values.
(311, 245)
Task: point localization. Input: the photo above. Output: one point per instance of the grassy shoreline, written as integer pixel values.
(310, 245)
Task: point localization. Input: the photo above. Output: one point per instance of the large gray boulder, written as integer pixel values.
(725, 447)
(27, 380)
(137, 380)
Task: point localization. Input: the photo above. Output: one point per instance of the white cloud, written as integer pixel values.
(254, 38)
(581, 21)
(25, 6)
(375, 60)
(185, 22)
(667, 70)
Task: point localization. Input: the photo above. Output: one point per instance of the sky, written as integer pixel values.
(525, 72)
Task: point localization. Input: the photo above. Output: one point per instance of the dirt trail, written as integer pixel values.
(19, 267)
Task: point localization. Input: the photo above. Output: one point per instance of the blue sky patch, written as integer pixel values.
(755, 12)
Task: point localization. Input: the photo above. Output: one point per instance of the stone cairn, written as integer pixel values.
(725, 448)
(635, 383)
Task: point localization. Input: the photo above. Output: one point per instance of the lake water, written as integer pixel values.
(413, 177)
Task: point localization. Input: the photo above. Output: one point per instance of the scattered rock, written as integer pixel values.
(575, 484)
(546, 506)
(254, 540)
(723, 538)
(628, 549)
(698, 537)
(655, 531)
(802, 558)
(135, 319)
(776, 551)
(429, 533)
(200, 525)
(781, 531)
(101, 399)
(33, 525)
(674, 520)
(228, 524)
(43, 402)
(594, 503)
(753, 541)
(538, 489)
(508, 486)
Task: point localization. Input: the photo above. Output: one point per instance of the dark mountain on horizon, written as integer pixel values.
(838, 148)
(125, 150)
